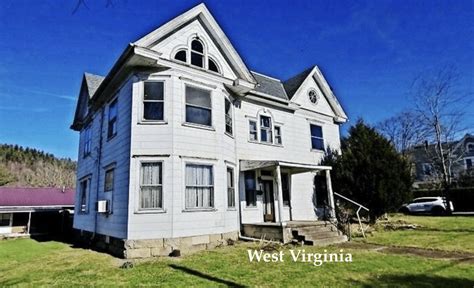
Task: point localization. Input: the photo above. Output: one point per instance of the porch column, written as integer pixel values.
(332, 212)
(29, 223)
(280, 194)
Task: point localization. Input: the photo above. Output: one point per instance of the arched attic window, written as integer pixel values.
(181, 56)
(212, 66)
(197, 53)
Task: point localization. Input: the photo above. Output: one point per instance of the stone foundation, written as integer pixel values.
(146, 248)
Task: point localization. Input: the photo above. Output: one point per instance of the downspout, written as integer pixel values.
(99, 156)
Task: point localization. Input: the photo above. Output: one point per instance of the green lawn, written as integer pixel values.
(454, 233)
(25, 262)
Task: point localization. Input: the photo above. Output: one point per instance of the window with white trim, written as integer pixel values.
(197, 53)
(197, 56)
(87, 141)
(253, 130)
(198, 106)
(285, 185)
(153, 100)
(470, 147)
(317, 141)
(84, 187)
(230, 188)
(250, 188)
(151, 186)
(278, 135)
(266, 134)
(5, 219)
(228, 116)
(199, 186)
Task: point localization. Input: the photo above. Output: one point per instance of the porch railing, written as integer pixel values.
(360, 206)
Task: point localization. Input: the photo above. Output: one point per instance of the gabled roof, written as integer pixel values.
(36, 197)
(202, 14)
(93, 82)
(291, 85)
(269, 85)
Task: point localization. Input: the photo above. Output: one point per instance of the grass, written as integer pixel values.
(26, 262)
(454, 233)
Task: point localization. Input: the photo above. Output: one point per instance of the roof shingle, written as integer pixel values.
(269, 85)
(13, 196)
(93, 82)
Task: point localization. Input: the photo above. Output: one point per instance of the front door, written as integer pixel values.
(268, 201)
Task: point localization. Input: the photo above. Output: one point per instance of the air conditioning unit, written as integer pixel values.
(103, 206)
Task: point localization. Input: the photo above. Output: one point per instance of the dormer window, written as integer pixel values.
(196, 55)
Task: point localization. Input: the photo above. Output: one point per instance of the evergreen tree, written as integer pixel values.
(370, 171)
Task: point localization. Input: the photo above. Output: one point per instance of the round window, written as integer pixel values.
(313, 96)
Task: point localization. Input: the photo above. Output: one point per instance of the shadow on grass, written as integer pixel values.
(418, 280)
(205, 276)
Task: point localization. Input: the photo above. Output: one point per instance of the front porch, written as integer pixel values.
(281, 191)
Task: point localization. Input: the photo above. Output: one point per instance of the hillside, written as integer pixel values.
(20, 167)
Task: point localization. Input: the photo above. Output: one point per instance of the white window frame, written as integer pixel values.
(10, 219)
(203, 53)
(197, 125)
(255, 131)
(267, 129)
(275, 136)
(311, 136)
(470, 147)
(142, 104)
(231, 112)
(138, 208)
(198, 209)
(231, 187)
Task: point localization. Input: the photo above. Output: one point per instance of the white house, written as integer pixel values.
(183, 147)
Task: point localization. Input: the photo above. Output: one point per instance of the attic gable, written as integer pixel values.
(312, 79)
(89, 85)
(199, 14)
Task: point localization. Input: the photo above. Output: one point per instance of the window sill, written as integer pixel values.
(199, 210)
(111, 137)
(151, 122)
(251, 208)
(228, 134)
(150, 211)
(231, 209)
(266, 143)
(199, 126)
(317, 150)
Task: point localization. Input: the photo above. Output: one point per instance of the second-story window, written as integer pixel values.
(84, 195)
(253, 130)
(109, 180)
(317, 141)
(266, 129)
(112, 126)
(228, 116)
(198, 106)
(278, 135)
(153, 100)
(87, 141)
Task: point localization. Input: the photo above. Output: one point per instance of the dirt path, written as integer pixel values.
(464, 257)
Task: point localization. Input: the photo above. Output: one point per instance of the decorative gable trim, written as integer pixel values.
(202, 14)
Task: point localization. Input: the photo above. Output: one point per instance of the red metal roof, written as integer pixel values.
(12, 196)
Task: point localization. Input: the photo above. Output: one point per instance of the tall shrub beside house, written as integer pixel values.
(370, 171)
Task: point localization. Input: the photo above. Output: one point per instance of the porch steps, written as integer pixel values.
(317, 233)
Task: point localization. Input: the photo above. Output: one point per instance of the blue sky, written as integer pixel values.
(370, 52)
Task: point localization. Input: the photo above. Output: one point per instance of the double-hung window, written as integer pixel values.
(84, 195)
(112, 127)
(230, 188)
(87, 141)
(278, 135)
(253, 130)
(197, 53)
(266, 129)
(151, 186)
(317, 141)
(153, 100)
(198, 106)
(285, 185)
(109, 180)
(250, 188)
(5, 219)
(199, 186)
(228, 116)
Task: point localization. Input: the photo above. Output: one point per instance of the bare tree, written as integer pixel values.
(403, 130)
(439, 108)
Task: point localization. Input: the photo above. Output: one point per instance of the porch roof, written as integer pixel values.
(246, 165)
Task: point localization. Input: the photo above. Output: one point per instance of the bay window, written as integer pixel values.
(151, 186)
(153, 100)
(228, 116)
(198, 106)
(199, 186)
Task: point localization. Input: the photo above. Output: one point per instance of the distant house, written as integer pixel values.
(33, 211)
(424, 160)
(182, 146)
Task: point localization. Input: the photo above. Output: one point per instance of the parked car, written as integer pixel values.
(433, 205)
